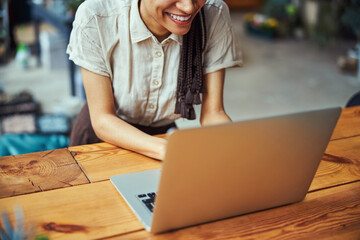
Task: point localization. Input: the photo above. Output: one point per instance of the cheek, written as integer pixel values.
(161, 11)
(201, 3)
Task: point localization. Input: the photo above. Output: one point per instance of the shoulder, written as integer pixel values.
(217, 15)
(216, 7)
(215, 11)
(91, 9)
(215, 4)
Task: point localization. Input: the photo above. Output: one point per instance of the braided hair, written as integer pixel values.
(190, 82)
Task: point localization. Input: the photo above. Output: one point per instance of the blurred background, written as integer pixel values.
(298, 55)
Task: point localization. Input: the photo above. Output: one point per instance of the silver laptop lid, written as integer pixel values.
(226, 170)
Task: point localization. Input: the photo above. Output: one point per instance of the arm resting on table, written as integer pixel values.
(108, 127)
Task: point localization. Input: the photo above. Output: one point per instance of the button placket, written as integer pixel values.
(155, 83)
(158, 66)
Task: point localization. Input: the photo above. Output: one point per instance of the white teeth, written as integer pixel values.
(179, 18)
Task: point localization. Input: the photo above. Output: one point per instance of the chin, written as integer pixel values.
(181, 31)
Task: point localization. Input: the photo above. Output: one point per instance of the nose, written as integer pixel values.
(187, 6)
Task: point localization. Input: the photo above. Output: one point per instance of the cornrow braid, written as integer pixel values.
(190, 82)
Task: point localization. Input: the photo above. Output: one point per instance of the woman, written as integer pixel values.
(144, 64)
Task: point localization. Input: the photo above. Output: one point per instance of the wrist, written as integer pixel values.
(155, 148)
(211, 118)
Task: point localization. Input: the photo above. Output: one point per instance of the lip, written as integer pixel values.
(187, 17)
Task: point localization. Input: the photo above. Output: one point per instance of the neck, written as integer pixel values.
(159, 32)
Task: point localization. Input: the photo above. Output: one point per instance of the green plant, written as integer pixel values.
(275, 8)
(7, 232)
(286, 12)
(73, 5)
(16, 231)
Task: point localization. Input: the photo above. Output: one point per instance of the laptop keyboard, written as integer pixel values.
(148, 199)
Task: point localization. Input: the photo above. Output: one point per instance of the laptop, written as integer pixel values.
(226, 170)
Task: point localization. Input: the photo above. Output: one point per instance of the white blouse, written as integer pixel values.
(109, 38)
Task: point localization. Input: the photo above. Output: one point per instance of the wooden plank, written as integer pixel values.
(102, 160)
(328, 214)
(96, 210)
(340, 164)
(86, 211)
(76, 150)
(101, 165)
(40, 171)
(348, 124)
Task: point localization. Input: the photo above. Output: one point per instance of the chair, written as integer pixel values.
(354, 100)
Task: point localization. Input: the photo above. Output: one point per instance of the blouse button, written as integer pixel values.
(156, 83)
(151, 106)
(158, 53)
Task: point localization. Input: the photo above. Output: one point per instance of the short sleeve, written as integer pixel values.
(84, 46)
(222, 48)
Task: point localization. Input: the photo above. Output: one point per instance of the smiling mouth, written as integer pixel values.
(183, 19)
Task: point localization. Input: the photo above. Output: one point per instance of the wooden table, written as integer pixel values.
(66, 194)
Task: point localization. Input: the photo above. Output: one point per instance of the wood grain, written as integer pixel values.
(101, 213)
(329, 214)
(340, 164)
(86, 211)
(102, 160)
(101, 165)
(40, 171)
(348, 124)
(75, 150)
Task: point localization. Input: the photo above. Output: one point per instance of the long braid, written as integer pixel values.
(190, 82)
(181, 75)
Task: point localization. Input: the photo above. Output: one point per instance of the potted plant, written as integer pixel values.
(261, 25)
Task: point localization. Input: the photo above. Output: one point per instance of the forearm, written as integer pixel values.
(212, 109)
(108, 127)
(111, 129)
